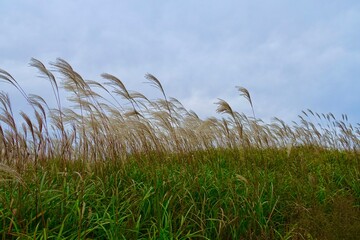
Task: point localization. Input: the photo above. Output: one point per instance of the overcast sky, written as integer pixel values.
(290, 55)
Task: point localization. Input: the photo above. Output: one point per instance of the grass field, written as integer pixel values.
(138, 168)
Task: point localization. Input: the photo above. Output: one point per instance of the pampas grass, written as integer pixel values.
(119, 164)
(166, 126)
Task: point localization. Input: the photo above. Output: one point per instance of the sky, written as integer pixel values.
(290, 55)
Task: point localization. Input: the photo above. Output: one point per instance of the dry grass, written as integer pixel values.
(96, 129)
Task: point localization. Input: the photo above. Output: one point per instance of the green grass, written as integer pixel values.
(218, 194)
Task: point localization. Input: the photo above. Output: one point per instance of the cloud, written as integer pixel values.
(290, 55)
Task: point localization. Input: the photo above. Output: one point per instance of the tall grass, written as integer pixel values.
(96, 129)
(118, 164)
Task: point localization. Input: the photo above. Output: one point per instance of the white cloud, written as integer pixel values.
(290, 55)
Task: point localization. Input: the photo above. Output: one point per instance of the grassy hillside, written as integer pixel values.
(138, 168)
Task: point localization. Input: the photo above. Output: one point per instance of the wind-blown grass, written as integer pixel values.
(119, 165)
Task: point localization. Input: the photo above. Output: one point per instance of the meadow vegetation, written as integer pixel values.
(119, 165)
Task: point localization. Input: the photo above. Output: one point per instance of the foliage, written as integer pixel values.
(135, 168)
